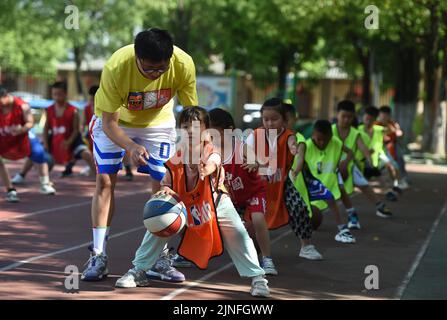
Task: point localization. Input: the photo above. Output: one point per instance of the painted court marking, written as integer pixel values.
(176, 292)
(50, 254)
(74, 205)
(401, 289)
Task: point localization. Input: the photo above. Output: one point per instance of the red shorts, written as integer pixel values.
(257, 203)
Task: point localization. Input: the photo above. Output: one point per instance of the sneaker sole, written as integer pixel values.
(134, 285)
(383, 215)
(345, 242)
(94, 279)
(158, 276)
(309, 258)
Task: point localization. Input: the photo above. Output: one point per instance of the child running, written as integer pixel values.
(247, 189)
(196, 185)
(312, 190)
(284, 203)
(349, 174)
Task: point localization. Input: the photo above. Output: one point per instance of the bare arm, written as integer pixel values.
(364, 149)
(300, 160)
(45, 135)
(137, 153)
(28, 118)
(75, 132)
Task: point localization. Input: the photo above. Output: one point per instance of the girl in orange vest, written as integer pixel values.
(275, 147)
(212, 218)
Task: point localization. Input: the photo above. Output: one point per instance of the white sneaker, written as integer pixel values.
(268, 266)
(344, 236)
(260, 288)
(132, 279)
(309, 252)
(85, 171)
(47, 189)
(11, 196)
(18, 179)
(403, 184)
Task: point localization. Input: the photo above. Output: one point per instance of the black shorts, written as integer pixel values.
(78, 146)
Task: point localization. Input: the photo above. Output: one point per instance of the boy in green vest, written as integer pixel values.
(372, 136)
(310, 188)
(350, 175)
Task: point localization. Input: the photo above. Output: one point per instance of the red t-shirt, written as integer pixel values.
(241, 184)
(61, 129)
(13, 147)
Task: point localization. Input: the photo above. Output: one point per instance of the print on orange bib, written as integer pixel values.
(201, 240)
(277, 214)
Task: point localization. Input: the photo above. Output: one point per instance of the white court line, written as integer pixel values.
(401, 289)
(74, 205)
(175, 293)
(32, 259)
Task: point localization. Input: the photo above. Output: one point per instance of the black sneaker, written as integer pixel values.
(384, 212)
(67, 173)
(391, 196)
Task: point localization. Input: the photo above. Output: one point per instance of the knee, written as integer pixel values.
(105, 183)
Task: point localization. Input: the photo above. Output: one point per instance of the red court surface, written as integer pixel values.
(41, 235)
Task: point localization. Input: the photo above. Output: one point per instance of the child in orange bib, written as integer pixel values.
(212, 218)
(275, 147)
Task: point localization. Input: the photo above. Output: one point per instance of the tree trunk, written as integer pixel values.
(366, 80)
(432, 80)
(78, 56)
(407, 75)
(283, 69)
(181, 23)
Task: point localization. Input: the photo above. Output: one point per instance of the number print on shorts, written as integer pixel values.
(165, 149)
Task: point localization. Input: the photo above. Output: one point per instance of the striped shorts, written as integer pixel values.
(159, 142)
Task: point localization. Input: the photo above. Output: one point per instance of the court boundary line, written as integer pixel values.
(421, 253)
(50, 254)
(201, 280)
(73, 205)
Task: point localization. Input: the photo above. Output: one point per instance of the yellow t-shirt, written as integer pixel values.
(142, 102)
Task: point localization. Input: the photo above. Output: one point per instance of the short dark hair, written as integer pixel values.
(289, 108)
(372, 111)
(155, 45)
(92, 90)
(385, 109)
(190, 114)
(59, 85)
(323, 126)
(221, 119)
(346, 105)
(275, 104)
(3, 91)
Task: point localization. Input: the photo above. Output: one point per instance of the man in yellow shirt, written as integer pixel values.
(134, 115)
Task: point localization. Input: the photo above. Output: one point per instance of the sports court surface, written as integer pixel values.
(41, 235)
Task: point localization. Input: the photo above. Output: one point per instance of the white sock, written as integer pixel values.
(106, 239)
(99, 236)
(351, 210)
(44, 179)
(257, 278)
(396, 183)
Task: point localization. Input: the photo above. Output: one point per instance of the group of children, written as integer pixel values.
(63, 140)
(263, 181)
(289, 180)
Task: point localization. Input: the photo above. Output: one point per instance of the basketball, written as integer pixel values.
(164, 215)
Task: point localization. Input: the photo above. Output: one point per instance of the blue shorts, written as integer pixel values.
(159, 142)
(317, 190)
(38, 153)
